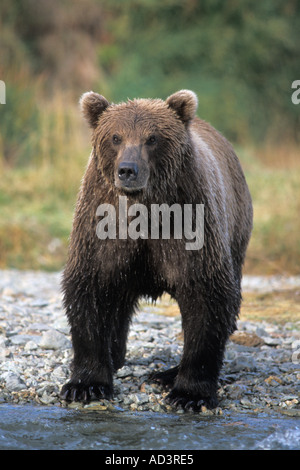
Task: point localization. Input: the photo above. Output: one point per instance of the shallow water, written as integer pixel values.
(30, 427)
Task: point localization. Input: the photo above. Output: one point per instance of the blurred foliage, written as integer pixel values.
(240, 57)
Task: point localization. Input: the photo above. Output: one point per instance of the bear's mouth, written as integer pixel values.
(129, 189)
(131, 186)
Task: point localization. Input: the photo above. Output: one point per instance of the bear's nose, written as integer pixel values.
(128, 171)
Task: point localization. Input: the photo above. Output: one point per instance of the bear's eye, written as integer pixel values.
(151, 140)
(116, 139)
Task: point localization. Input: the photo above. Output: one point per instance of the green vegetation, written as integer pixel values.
(240, 57)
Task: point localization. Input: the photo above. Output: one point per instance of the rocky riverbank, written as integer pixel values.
(261, 370)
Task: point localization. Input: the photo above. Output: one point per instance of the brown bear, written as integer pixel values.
(155, 152)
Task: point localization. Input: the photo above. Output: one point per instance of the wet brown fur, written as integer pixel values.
(191, 163)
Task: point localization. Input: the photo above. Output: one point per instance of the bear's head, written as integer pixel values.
(140, 141)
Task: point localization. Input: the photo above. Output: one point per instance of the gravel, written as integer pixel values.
(261, 369)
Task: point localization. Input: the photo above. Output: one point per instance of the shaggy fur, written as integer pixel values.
(181, 159)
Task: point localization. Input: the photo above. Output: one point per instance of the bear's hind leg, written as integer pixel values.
(165, 378)
(120, 330)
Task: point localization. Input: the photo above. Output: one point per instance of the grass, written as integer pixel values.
(273, 176)
(278, 307)
(35, 221)
(37, 199)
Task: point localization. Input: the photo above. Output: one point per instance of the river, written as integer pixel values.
(30, 427)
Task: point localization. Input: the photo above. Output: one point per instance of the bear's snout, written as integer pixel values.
(128, 171)
(132, 170)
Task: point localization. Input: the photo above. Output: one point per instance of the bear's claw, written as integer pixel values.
(85, 393)
(190, 403)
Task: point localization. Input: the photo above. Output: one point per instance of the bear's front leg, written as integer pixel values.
(90, 317)
(207, 322)
(91, 369)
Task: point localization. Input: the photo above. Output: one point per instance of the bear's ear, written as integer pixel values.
(184, 103)
(92, 106)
